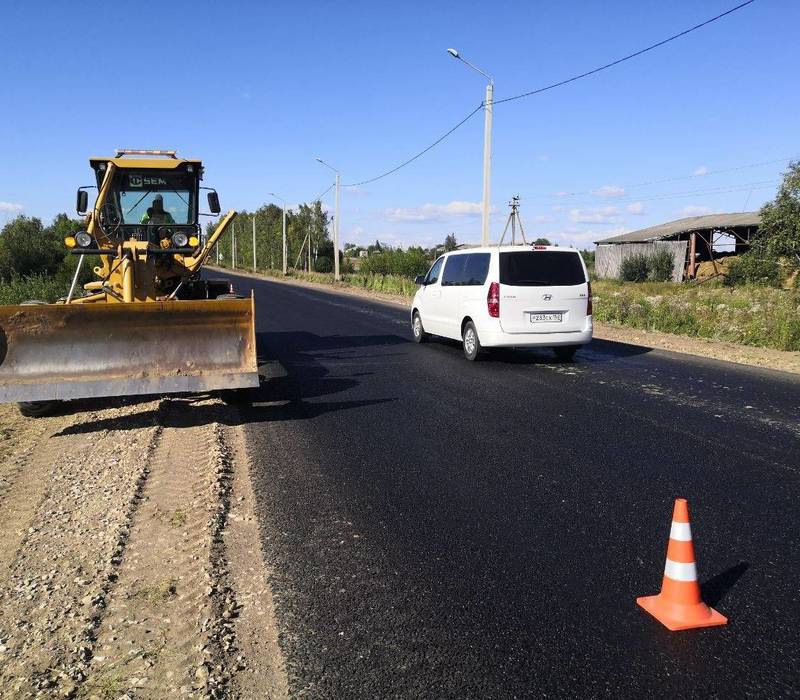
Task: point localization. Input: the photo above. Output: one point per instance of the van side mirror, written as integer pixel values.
(82, 201)
(419, 280)
(213, 202)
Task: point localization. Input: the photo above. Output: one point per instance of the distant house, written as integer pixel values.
(692, 240)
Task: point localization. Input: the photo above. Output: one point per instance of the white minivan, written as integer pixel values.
(507, 296)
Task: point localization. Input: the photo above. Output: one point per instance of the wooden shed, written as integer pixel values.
(692, 240)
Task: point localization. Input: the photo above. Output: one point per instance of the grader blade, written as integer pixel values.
(77, 351)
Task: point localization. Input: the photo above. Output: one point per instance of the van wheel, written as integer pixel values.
(565, 353)
(420, 336)
(472, 345)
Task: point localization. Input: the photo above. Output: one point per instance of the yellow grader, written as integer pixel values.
(149, 323)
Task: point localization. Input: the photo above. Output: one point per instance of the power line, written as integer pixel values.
(726, 189)
(545, 88)
(322, 194)
(624, 58)
(422, 152)
(563, 195)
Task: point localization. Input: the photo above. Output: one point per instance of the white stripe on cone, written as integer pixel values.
(680, 571)
(682, 532)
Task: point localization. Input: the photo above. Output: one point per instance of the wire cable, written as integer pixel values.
(624, 58)
(322, 194)
(422, 152)
(549, 87)
(564, 196)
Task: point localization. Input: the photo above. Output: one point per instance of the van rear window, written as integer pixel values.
(545, 268)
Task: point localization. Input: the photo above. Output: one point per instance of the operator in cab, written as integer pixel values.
(155, 214)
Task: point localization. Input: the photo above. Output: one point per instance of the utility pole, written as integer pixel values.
(255, 266)
(488, 106)
(285, 248)
(487, 160)
(336, 274)
(233, 247)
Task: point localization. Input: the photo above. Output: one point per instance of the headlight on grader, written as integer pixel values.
(83, 239)
(70, 242)
(180, 239)
(194, 241)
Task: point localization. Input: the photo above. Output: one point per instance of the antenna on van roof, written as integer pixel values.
(513, 219)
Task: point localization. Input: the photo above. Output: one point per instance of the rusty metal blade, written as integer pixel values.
(58, 351)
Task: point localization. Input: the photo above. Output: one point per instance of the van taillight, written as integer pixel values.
(493, 300)
(589, 300)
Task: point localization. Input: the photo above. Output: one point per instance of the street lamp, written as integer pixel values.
(336, 274)
(487, 142)
(272, 194)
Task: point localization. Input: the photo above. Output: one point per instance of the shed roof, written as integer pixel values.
(709, 222)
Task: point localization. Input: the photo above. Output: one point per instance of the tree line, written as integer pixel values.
(306, 232)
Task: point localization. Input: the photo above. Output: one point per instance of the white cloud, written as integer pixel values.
(699, 172)
(435, 212)
(558, 208)
(600, 215)
(10, 207)
(694, 210)
(609, 191)
(635, 208)
(542, 219)
(581, 238)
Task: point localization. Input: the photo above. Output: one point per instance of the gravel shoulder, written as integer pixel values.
(129, 562)
(766, 358)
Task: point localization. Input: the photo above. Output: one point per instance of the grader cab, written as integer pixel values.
(149, 323)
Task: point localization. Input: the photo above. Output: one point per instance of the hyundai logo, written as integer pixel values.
(547, 297)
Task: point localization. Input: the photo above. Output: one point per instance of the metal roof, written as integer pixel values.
(709, 222)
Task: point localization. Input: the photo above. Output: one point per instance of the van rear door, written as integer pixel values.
(542, 291)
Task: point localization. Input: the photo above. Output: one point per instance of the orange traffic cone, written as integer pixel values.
(679, 606)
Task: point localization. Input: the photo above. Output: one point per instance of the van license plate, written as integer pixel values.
(545, 318)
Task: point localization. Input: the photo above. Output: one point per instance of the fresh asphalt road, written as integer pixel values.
(436, 528)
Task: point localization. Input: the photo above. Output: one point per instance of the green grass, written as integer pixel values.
(38, 287)
(389, 284)
(748, 315)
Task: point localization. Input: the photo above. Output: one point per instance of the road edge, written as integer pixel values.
(785, 361)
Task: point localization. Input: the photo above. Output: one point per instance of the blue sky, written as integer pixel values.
(258, 89)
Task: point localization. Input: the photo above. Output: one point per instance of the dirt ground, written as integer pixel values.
(130, 564)
(785, 361)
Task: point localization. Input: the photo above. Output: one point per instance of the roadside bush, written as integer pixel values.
(28, 248)
(403, 263)
(36, 287)
(635, 268)
(750, 315)
(754, 268)
(323, 265)
(661, 264)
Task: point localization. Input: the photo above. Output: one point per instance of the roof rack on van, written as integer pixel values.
(513, 219)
